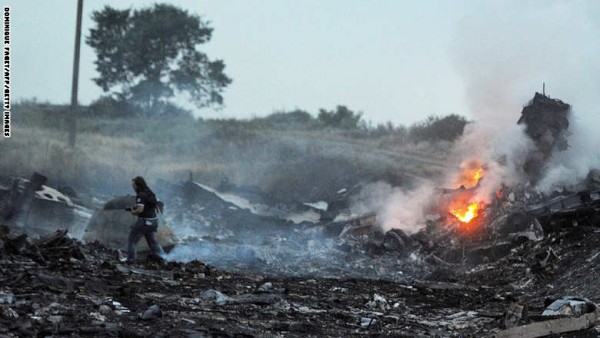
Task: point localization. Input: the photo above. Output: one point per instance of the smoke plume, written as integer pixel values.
(505, 51)
(407, 210)
(568, 168)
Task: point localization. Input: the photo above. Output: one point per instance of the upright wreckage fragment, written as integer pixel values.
(546, 122)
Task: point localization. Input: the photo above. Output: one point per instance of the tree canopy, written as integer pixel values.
(435, 128)
(341, 117)
(149, 55)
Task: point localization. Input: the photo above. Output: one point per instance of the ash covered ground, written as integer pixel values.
(57, 286)
(369, 259)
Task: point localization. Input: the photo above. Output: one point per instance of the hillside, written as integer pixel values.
(302, 163)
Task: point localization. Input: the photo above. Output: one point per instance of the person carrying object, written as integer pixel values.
(147, 222)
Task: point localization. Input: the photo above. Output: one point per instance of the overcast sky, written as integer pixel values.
(397, 61)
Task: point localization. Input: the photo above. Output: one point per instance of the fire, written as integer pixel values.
(478, 174)
(466, 204)
(467, 214)
(472, 172)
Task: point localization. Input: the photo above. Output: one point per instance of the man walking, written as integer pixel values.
(147, 222)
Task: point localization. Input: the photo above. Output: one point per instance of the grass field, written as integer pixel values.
(303, 163)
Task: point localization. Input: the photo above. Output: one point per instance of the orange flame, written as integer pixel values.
(467, 214)
(472, 172)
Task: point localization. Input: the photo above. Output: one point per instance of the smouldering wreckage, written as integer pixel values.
(504, 261)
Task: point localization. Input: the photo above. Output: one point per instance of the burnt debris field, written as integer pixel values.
(56, 286)
(479, 243)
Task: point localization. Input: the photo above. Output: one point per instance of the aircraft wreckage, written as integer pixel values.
(518, 264)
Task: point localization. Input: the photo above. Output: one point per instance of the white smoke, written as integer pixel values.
(396, 208)
(371, 197)
(188, 253)
(505, 51)
(406, 210)
(502, 151)
(568, 168)
(222, 255)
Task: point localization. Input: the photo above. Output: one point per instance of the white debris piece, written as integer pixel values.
(367, 322)
(568, 306)
(7, 297)
(306, 309)
(321, 205)
(218, 297)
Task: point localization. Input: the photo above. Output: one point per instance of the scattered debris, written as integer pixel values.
(306, 268)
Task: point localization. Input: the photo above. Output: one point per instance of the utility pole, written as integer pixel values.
(73, 110)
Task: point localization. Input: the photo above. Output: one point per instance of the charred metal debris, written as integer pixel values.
(242, 264)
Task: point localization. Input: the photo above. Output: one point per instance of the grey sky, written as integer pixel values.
(396, 61)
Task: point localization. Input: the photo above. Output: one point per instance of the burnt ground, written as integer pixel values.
(56, 286)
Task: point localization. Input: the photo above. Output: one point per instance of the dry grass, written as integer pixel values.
(110, 152)
(45, 151)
